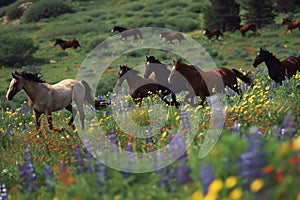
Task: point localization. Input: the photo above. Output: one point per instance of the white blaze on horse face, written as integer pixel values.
(147, 63)
(11, 86)
(112, 30)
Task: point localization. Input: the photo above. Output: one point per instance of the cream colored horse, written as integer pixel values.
(44, 98)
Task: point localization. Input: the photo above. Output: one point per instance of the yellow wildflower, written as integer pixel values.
(230, 181)
(257, 185)
(236, 194)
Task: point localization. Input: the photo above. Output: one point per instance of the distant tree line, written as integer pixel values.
(228, 14)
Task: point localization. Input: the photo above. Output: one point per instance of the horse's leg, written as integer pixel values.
(73, 114)
(49, 119)
(38, 121)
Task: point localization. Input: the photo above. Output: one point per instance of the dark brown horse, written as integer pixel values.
(170, 36)
(248, 27)
(290, 25)
(214, 32)
(204, 84)
(140, 87)
(127, 33)
(277, 69)
(67, 44)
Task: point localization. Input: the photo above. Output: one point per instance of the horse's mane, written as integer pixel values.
(193, 67)
(271, 55)
(32, 76)
(134, 71)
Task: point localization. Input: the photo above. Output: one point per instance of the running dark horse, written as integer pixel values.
(198, 79)
(44, 98)
(278, 70)
(170, 36)
(247, 27)
(161, 74)
(127, 33)
(290, 25)
(214, 32)
(140, 87)
(67, 44)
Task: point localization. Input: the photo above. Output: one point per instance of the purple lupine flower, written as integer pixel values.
(289, 124)
(101, 177)
(79, 161)
(24, 109)
(49, 180)
(1, 133)
(129, 150)
(177, 149)
(206, 176)
(27, 175)
(185, 120)
(62, 166)
(254, 160)
(114, 145)
(164, 172)
(88, 156)
(3, 192)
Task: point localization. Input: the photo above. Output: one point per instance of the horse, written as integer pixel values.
(67, 44)
(214, 32)
(290, 25)
(128, 32)
(170, 36)
(161, 74)
(140, 87)
(277, 69)
(198, 79)
(44, 98)
(247, 27)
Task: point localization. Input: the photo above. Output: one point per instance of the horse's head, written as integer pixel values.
(113, 29)
(58, 41)
(151, 63)
(121, 74)
(205, 31)
(259, 57)
(15, 86)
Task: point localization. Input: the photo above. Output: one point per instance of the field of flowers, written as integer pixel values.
(257, 155)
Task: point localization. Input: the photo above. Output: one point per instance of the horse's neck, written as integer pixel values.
(31, 88)
(162, 74)
(273, 63)
(133, 80)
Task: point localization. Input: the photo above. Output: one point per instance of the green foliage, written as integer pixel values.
(258, 12)
(16, 51)
(287, 6)
(46, 9)
(222, 14)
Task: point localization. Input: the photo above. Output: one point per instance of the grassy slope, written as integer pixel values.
(93, 20)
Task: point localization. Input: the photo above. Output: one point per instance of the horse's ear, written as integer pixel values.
(261, 49)
(121, 67)
(174, 61)
(147, 57)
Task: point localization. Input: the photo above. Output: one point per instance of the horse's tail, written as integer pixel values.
(244, 78)
(89, 97)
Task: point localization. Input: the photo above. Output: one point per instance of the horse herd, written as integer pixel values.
(45, 98)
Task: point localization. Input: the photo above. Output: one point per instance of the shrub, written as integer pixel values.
(46, 9)
(16, 51)
(6, 2)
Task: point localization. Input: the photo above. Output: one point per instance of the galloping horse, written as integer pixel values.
(140, 87)
(198, 79)
(277, 69)
(290, 25)
(128, 32)
(248, 27)
(161, 74)
(170, 36)
(44, 98)
(67, 44)
(214, 32)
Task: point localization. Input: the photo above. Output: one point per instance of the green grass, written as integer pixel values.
(91, 24)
